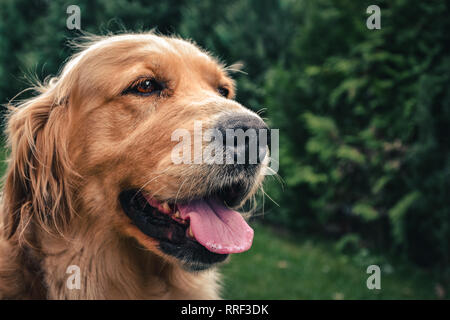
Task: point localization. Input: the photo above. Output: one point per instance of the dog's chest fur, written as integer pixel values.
(114, 270)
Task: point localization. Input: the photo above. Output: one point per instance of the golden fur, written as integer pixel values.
(77, 144)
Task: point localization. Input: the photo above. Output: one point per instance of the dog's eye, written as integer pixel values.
(223, 91)
(145, 87)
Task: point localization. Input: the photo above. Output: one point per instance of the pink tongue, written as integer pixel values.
(219, 229)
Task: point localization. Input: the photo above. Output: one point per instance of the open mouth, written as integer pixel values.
(199, 232)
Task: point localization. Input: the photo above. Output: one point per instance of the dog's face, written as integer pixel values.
(129, 97)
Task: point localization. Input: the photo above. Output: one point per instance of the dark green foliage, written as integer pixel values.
(366, 146)
(363, 114)
(34, 38)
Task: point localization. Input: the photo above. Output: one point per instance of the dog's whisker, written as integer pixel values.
(157, 191)
(179, 189)
(260, 111)
(277, 177)
(270, 197)
(149, 181)
(191, 189)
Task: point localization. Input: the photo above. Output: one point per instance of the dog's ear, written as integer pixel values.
(37, 187)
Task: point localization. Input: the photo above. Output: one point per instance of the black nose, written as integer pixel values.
(245, 137)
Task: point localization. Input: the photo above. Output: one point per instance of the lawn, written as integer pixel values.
(281, 267)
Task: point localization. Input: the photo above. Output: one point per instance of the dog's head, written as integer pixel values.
(135, 133)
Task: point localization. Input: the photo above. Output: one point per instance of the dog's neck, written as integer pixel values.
(97, 264)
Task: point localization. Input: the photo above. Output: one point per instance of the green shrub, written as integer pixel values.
(364, 117)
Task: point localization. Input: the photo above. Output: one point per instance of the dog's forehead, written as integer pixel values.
(126, 56)
(165, 50)
(128, 49)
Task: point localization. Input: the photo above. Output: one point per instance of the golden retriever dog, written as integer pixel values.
(92, 187)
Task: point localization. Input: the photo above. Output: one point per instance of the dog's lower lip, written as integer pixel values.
(208, 221)
(161, 214)
(174, 238)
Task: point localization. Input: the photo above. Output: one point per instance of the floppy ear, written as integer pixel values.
(37, 186)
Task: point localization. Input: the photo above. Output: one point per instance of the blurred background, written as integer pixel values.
(364, 120)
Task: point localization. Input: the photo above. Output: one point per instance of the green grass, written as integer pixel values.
(281, 267)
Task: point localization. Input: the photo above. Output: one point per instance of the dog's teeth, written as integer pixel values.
(177, 214)
(165, 207)
(190, 233)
